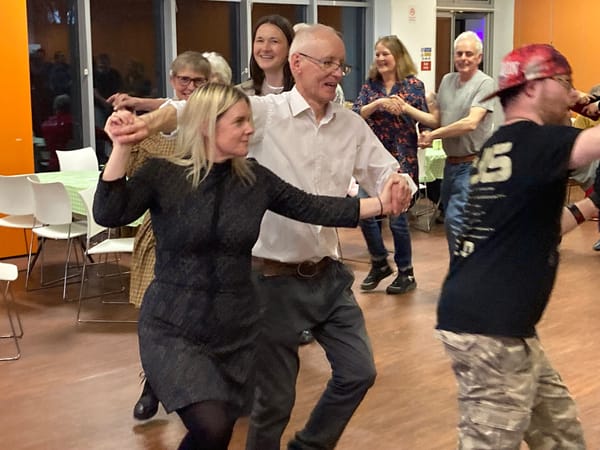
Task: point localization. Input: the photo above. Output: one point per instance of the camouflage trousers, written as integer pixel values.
(508, 393)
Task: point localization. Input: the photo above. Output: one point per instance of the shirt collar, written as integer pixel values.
(298, 105)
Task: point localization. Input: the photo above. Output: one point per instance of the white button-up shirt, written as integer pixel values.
(319, 158)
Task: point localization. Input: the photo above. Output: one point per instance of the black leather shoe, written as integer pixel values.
(379, 271)
(147, 405)
(306, 337)
(404, 282)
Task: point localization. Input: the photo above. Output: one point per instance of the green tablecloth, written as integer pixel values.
(74, 182)
(435, 160)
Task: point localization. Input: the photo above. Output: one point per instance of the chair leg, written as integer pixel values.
(81, 297)
(7, 296)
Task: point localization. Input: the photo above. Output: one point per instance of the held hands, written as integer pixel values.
(425, 139)
(124, 127)
(396, 195)
(393, 104)
(592, 111)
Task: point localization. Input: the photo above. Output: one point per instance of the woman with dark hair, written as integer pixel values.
(199, 320)
(391, 84)
(269, 69)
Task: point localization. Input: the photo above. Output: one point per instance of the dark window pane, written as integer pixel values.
(210, 26)
(54, 79)
(124, 49)
(351, 23)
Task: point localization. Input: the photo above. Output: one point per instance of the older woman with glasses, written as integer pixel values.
(188, 71)
(392, 81)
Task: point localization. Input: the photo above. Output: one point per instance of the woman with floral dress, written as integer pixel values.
(391, 82)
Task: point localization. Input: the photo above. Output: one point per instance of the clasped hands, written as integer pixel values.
(396, 195)
(393, 104)
(125, 127)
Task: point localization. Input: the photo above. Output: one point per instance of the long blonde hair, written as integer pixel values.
(196, 135)
(404, 63)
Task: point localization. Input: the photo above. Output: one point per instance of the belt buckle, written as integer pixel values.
(307, 269)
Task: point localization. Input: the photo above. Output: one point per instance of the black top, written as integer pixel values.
(199, 314)
(503, 270)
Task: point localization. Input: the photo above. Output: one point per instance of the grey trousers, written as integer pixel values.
(325, 304)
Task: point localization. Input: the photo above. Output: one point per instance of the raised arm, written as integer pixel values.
(137, 128)
(125, 101)
(116, 166)
(586, 148)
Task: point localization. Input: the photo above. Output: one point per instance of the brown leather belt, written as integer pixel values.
(305, 269)
(459, 159)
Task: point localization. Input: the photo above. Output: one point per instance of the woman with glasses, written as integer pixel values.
(188, 71)
(269, 69)
(391, 81)
(199, 322)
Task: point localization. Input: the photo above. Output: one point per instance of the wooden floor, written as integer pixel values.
(75, 385)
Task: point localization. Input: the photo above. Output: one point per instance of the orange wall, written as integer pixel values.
(570, 26)
(16, 145)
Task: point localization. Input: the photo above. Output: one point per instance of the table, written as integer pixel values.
(75, 181)
(435, 160)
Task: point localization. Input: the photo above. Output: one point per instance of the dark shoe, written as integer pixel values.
(597, 246)
(404, 282)
(147, 406)
(379, 271)
(306, 337)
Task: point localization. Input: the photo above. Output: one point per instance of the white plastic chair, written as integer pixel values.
(80, 159)
(8, 273)
(52, 207)
(103, 247)
(16, 201)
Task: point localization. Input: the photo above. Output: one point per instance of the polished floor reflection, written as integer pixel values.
(75, 385)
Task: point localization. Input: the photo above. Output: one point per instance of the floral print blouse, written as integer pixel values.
(396, 133)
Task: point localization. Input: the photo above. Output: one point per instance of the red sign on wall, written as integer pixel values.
(425, 65)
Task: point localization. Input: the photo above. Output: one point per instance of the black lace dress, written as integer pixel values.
(199, 318)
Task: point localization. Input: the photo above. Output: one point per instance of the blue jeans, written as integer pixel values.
(325, 304)
(371, 230)
(454, 194)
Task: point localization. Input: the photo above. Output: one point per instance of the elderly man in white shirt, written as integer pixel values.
(316, 145)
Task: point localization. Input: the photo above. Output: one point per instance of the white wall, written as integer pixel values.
(418, 31)
(414, 22)
(504, 30)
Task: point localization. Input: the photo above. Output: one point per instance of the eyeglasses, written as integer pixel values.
(185, 81)
(565, 82)
(329, 66)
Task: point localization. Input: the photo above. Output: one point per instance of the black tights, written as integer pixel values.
(209, 423)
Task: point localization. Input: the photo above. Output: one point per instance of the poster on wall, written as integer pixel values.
(412, 13)
(425, 59)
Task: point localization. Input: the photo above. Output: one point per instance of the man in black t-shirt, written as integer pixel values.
(504, 265)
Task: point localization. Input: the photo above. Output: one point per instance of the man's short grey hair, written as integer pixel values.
(472, 36)
(304, 36)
